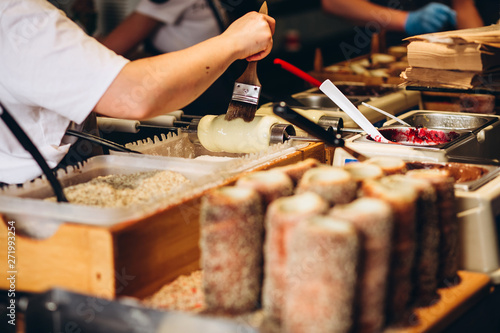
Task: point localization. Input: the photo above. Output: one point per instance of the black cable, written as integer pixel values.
(26, 142)
(103, 142)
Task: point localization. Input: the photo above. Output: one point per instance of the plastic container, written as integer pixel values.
(43, 217)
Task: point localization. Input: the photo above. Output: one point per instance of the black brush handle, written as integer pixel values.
(26, 142)
(100, 141)
(282, 110)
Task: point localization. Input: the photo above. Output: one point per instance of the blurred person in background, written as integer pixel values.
(167, 26)
(160, 26)
(403, 18)
(489, 11)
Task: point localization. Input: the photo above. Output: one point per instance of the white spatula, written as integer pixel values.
(330, 90)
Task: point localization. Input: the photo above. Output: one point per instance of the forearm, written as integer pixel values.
(158, 85)
(467, 14)
(363, 12)
(152, 86)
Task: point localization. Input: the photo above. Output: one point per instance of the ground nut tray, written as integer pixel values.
(41, 214)
(202, 172)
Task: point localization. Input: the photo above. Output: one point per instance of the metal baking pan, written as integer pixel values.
(319, 101)
(399, 135)
(448, 120)
(355, 92)
(481, 144)
(359, 90)
(468, 177)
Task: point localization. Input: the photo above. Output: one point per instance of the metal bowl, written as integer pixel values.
(317, 101)
(355, 89)
(448, 121)
(467, 177)
(419, 137)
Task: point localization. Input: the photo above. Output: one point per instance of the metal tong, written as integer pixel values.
(282, 110)
(100, 141)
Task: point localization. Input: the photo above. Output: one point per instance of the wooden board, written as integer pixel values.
(454, 301)
(447, 101)
(133, 258)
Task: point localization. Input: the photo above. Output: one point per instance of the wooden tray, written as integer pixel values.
(454, 302)
(134, 258)
(323, 73)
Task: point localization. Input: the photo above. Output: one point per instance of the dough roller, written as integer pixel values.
(251, 137)
(172, 122)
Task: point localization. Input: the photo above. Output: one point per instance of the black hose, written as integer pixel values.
(100, 141)
(26, 142)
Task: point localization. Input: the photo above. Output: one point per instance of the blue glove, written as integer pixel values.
(430, 18)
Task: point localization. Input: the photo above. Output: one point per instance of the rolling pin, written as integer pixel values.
(167, 122)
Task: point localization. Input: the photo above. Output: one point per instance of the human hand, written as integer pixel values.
(431, 18)
(251, 36)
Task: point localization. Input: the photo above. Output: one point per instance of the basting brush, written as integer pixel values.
(246, 92)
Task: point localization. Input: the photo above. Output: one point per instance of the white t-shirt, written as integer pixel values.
(51, 74)
(186, 22)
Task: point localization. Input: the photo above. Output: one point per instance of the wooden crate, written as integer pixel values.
(133, 258)
(460, 102)
(324, 73)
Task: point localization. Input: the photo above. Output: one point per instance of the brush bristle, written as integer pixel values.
(237, 109)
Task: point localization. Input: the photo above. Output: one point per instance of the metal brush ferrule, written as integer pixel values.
(281, 133)
(246, 93)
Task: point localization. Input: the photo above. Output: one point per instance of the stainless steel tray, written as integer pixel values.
(481, 144)
(468, 177)
(451, 121)
(318, 101)
(399, 134)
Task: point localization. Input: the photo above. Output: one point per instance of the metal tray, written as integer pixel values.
(451, 137)
(468, 177)
(449, 120)
(317, 101)
(357, 90)
(481, 144)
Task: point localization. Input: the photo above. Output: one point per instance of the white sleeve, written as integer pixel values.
(168, 12)
(46, 60)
